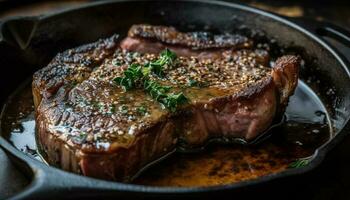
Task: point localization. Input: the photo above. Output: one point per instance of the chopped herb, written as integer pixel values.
(82, 134)
(155, 90)
(155, 68)
(131, 76)
(80, 138)
(136, 75)
(116, 63)
(142, 110)
(166, 58)
(136, 72)
(193, 83)
(146, 70)
(299, 163)
(100, 106)
(160, 94)
(112, 109)
(173, 100)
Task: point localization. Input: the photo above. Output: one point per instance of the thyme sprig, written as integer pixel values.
(136, 76)
(299, 163)
(161, 94)
(156, 90)
(173, 100)
(131, 76)
(166, 57)
(135, 72)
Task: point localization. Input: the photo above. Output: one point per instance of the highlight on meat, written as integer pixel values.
(107, 109)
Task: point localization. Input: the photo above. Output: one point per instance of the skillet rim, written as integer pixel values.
(318, 156)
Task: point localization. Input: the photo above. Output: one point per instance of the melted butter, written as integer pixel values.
(205, 94)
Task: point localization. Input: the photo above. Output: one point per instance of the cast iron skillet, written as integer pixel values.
(28, 43)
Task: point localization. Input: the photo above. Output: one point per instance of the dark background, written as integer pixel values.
(329, 181)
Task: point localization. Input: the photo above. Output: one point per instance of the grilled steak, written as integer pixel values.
(94, 118)
(153, 39)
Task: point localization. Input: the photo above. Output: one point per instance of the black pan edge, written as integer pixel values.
(320, 154)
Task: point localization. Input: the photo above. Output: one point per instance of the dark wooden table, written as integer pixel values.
(330, 181)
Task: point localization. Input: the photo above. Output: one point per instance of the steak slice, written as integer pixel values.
(153, 39)
(88, 124)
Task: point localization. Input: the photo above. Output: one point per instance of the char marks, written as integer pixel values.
(112, 132)
(193, 40)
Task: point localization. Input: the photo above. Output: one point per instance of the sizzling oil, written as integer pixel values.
(305, 128)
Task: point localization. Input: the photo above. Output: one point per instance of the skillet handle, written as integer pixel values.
(51, 183)
(340, 36)
(335, 32)
(325, 29)
(48, 182)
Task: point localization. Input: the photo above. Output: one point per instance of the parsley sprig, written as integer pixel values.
(137, 76)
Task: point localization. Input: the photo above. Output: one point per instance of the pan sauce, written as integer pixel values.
(305, 128)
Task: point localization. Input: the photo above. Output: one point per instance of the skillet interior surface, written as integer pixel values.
(288, 144)
(43, 37)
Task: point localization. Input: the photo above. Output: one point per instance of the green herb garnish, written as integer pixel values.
(116, 63)
(82, 134)
(156, 90)
(99, 105)
(167, 57)
(299, 163)
(193, 83)
(131, 76)
(160, 94)
(136, 72)
(173, 100)
(112, 109)
(80, 137)
(137, 76)
(142, 110)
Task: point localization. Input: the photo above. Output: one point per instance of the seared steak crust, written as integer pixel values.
(83, 125)
(153, 39)
(71, 67)
(193, 40)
